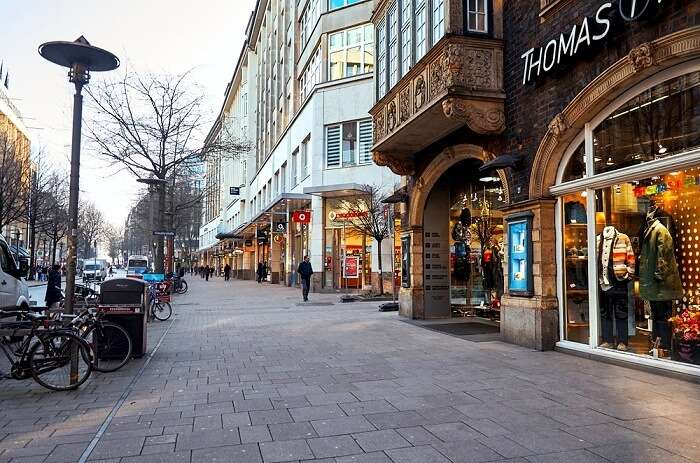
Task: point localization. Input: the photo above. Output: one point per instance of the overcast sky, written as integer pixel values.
(169, 36)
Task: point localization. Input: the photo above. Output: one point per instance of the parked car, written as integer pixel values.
(13, 289)
(94, 270)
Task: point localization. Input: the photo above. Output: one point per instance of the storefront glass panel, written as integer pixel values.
(576, 268)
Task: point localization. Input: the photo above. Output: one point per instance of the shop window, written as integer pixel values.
(351, 52)
(661, 122)
(334, 4)
(294, 164)
(576, 167)
(575, 268)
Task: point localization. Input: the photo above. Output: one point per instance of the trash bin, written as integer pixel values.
(123, 301)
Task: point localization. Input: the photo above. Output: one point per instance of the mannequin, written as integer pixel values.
(659, 279)
(615, 270)
(460, 234)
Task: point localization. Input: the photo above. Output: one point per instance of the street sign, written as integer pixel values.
(163, 233)
(301, 216)
(234, 190)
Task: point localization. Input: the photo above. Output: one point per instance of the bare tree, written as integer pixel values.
(368, 215)
(91, 227)
(43, 195)
(55, 223)
(154, 126)
(14, 182)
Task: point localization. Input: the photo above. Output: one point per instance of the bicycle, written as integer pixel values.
(111, 344)
(58, 360)
(158, 301)
(179, 283)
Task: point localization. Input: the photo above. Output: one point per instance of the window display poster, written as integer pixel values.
(351, 267)
(406, 261)
(519, 256)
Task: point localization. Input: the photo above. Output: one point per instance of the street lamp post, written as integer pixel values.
(81, 58)
(161, 184)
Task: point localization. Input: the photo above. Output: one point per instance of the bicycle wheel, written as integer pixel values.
(50, 361)
(111, 346)
(182, 289)
(162, 310)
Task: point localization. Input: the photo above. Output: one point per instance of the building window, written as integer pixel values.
(381, 59)
(333, 4)
(304, 158)
(393, 24)
(294, 165)
(477, 16)
(308, 20)
(311, 75)
(351, 52)
(283, 178)
(438, 20)
(276, 184)
(421, 25)
(349, 144)
(406, 33)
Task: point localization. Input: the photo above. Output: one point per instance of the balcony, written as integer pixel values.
(458, 83)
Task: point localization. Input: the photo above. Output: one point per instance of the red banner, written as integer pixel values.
(301, 216)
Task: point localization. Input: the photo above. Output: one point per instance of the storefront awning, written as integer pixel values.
(277, 207)
(398, 196)
(339, 190)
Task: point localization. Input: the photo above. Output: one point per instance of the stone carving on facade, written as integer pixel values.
(398, 165)
(404, 104)
(437, 77)
(391, 116)
(479, 72)
(379, 126)
(558, 126)
(483, 120)
(641, 57)
(419, 93)
(452, 65)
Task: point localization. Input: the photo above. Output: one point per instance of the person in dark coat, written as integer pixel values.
(305, 271)
(227, 272)
(261, 272)
(206, 272)
(53, 288)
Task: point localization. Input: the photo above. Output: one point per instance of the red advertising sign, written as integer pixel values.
(350, 269)
(301, 216)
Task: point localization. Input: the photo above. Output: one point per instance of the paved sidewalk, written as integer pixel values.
(248, 374)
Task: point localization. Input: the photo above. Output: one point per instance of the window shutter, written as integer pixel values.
(333, 146)
(365, 141)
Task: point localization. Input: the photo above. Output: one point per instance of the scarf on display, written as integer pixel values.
(607, 244)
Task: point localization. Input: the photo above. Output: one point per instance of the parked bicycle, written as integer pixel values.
(159, 301)
(178, 283)
(58, 359)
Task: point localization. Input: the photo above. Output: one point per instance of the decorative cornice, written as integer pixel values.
(482, 118)
(398, 165)
(641, 57)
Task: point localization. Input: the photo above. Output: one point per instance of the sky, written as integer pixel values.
(159, 36)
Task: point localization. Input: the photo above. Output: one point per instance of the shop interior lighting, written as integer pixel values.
(489, 179)
(609, 162)
(640, 106)
(662, 149)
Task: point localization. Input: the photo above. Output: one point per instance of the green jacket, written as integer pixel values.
(659, 279)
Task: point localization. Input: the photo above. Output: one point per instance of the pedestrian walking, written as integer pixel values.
(261, 273)
(207, 272)
(53, 288)
(201, 271)
(227, 272)
(305, 271)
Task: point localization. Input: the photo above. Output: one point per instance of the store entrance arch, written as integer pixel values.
(457, 223)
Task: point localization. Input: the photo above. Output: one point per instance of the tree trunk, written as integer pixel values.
(32, 249)
(159, 254)
(381, 273)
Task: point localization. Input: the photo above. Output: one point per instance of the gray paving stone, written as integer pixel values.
(277, 416)
(66, 453)
(164, 439)
(636, 452)
(376, 457)
(396, 419)
(170, 457)
(573, 456)
(157, 448)
(424, 454)
(373, 441)
(255, 433)
(452, 431)
(252, 404)
(117, 448)
(235, 419)
(418, 435)
(291, 431)
(548, 441)
(504, 446)
(330, 398)
(367, 407)
(206, 439)
(246, 453)
(290, 402)
(325, 447)
(316, 413)
(290, 450)
(467, 451)
(338, 426)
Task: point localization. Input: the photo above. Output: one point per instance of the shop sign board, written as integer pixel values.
(234, 191)
(345, 216)
(163, 233)
(351, 266)
(581, 37)
(301, 216)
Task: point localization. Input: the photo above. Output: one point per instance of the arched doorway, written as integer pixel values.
(462, 251)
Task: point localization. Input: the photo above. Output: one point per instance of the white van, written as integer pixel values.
(14, 293)
(94, 269)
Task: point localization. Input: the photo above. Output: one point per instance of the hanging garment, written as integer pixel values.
(659, 279)
(615, 258)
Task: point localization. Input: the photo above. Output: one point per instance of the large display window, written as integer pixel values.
(629, 221)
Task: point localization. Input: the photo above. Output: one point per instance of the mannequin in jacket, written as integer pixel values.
(615, 271)
(659, 279)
